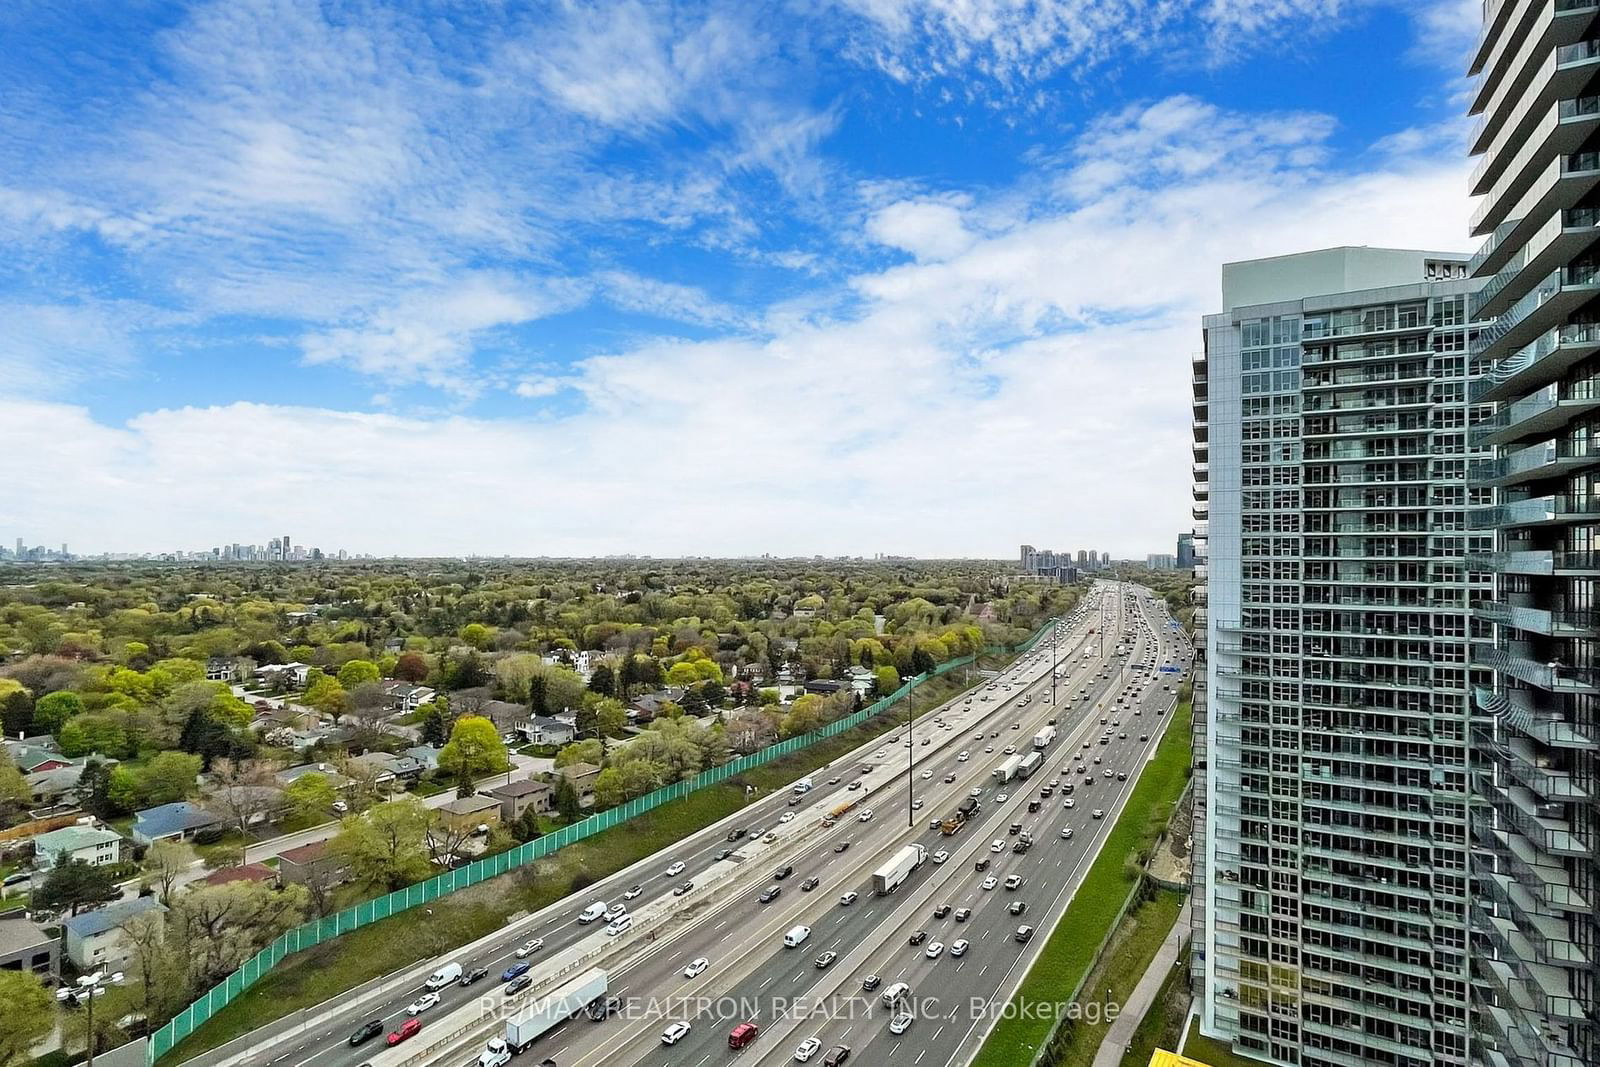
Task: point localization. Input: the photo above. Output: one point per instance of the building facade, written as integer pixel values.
(1537, 138)
(1335, 877)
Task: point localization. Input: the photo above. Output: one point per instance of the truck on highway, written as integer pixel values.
(892, 875)
(1008, 770)
(1044, 738)
(804, 785)
(543, 1014)
(958, 818)
(1034, 761)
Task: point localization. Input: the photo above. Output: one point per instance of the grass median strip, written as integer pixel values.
(308, 978)
(1069, 953)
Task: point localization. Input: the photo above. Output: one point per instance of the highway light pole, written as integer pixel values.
(89, 987)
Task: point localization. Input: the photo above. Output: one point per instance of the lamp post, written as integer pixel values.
(90, 986)
(911, 751)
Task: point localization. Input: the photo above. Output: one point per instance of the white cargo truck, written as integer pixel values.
(804, 785)
(544, 1013)
(892, 875)
(1044, 738)
(1007, 770)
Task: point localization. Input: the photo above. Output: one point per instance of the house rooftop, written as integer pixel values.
(305, 853)
(250, 872)
(18, 934)
(521, 788)
(71, 838)
(172, 819)
(470, 805)
(111, 916)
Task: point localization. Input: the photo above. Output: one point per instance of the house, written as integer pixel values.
(507, 717)
(96, 847)
(24, 946)
(58, 785)
(517, 797)
(389, 769)
(546, 730)
(33, 758)
(582, 776)
(402, 697)
(96, 940)
(826, 686)
(648, 706)
(250, 872)
(313, 863)
(222, 669)
(426, 755)
(295, 673)
(172, 822)
(466, 813)
(289, 775)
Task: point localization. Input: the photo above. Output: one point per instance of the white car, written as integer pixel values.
(958, 947)
(1066, 833)
(900, 1023)
(989, 882)
(963, 756)
(787, 816)
(807, 1049)
(676, 869)
(935, 950)
(674, 1033)
(997, 845)
(976, 792)
(1069, 803)
(926, 775)
(696, 967)
(881, 753)
(530, 948)
(1011, 750)
(422, 1003)
(865, 816)
(940, 856)
(1002, 798)
(632, 893)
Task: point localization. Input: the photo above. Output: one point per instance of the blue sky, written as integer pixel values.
(914, 276)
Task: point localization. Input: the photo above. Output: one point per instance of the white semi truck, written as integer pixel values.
(543, 1013)
(1008, 770)
(1044, 738)
(892, 875)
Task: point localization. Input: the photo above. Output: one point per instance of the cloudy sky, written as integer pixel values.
(722, 277)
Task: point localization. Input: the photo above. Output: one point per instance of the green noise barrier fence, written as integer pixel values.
(314, 933)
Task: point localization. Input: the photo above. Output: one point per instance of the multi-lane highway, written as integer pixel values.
(740, 937)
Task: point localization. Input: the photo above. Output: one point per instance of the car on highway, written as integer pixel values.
(988, 748)
(366, 1032)
(782, 872)
(787, 816)
(958, 947)
(976, 792)
(1097, 759)
(982, 865)
(518, 984)
(935, 950)
(901, 1022)
(422, 1003)
(989, 882)
(963, 914)
(836, 1056)
(841, 846)
(1002, 798)
(696, 967)
(865, 816)
(847, 899)
(408, 1029)
(474, 975)
(530, 948)
(636, 891)
(835, 780)
(1066, 833)
(926, 775)
(809, 884)
(680, 890)
(1069, 803)
(997, 845)
(941, 911)
(676, 869)
(949, 778)
(674, 1033)
(1013, 881)
(963, 756)
(735, 834)
(1011, 750)
(1122, 776)
(1144, 737)
(1123, 736)
(919, 936)
(723, 853)
(1097, 813)
(1024, 933)
(1022, 846)
(871, 982)
(826, 958)
(1017, 907)
(516, 970)
(1108, 772)
(940, 856)
(771, 893)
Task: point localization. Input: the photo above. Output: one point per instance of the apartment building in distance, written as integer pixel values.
(1536, 136)
(1332, 883)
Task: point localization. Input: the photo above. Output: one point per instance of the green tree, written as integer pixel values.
(603, 680)
(73, 883)
(885, 680)
(610, 717)
(311, 795)
(474, 750)
(769, 698)
(325, 694)
(53, 709)
(682, 674)
(388, 846)
(434, 729)
(29, 1016)
(16, 709)
(164, 863)
(567, 801)
(358, 672)
(526, 828)
(589, 750)
(609, 787)
(477, 635)
(14, 791)
(168, 777)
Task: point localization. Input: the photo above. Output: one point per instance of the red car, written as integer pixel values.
(407, 1029)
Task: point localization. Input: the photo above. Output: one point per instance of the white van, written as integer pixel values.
(592, 912)
(796, 936)
(897, 992)
(444, 976)
(617, 927)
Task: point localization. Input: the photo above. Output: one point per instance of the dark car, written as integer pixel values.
(781, 873)
(518, 984)
(919, 937)
(771, 894)
(941, 911)
(981, 865)
(1021, 847)
(841, 846)
(682, 889)
(1018, 907)
(516, 970)
(723, 854)
(836, 1056)
(871, 982)
(809, 884)
(1034, 805)
(604, 1006)
(366, 1032)
(474, 975)
(734, 835)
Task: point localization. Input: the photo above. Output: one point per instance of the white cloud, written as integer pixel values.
(1029, 383)
(928, 229)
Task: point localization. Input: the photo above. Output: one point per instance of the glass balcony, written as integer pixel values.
(1547, 304)
(1537, 511)
(1540, 620)
(1561, 183)
(1542, 361)
(1553, 677)
(1515, 711)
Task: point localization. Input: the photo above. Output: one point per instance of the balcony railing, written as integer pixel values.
(1568, 277)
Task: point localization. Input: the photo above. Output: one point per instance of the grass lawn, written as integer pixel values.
(428, 789)
(1214, 1052)
(233, 839)
(1069, 952)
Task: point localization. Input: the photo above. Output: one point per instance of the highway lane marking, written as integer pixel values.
(895, 1049)
(985, 968)
(937, 1032)
(921, 1054)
